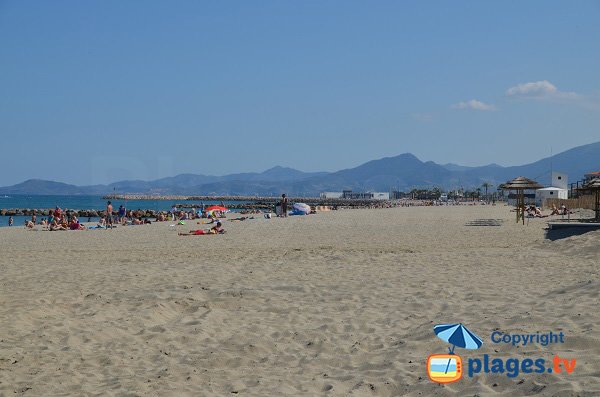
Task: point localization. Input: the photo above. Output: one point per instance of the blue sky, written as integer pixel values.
(98, 91)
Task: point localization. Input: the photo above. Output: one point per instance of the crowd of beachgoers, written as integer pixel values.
(59, 219)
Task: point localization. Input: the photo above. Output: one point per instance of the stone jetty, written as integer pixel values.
(239, 203)
(79, 213)
(249, 202)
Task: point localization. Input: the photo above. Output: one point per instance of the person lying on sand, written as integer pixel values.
(534, 212)
(55, 225)
(75, 225)
(242, 218)
(218, 229)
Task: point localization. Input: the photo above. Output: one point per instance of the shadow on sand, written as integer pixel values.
(557, 234)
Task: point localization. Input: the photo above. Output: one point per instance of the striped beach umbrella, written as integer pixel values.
(457, 335)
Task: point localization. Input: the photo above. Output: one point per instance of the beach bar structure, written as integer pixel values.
(519, 185)
(593, 186)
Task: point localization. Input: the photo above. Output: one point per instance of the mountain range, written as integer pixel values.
(403, 172)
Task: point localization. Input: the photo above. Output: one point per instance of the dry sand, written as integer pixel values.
(336, 304)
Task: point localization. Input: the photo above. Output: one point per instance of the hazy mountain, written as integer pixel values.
(404, 172)
(400, 171)
(574, 162)
(275, 174)
(41, 187)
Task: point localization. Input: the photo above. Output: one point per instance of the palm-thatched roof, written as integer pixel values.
(521, 183)
(594, 184)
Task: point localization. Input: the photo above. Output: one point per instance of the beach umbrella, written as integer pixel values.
(215, 208)
(457, 335)
(520, 184)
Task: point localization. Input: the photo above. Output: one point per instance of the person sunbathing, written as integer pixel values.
(75, 225)
(218, 229)
(55, 225)
(565, 210)
(537, 212)
(239, 219)
(554, 210)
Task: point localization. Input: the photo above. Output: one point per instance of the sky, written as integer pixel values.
(98, 91)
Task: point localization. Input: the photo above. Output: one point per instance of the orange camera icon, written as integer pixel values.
(444, 368)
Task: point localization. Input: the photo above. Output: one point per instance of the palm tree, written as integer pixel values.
(486, 185)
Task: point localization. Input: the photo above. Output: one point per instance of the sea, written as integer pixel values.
(85, 203)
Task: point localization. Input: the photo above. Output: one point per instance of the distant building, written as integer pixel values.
(528, 194)
(331, 195)
(558, 190)
(397, 195)
(541, 195)
(349, 194)
(591, 175)
(381, 195)
(560, 180)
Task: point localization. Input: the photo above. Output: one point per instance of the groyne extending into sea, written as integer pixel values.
(240, 203)
(253, 201)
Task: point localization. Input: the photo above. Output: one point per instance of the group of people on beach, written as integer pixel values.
(533, 211)
(57, 220)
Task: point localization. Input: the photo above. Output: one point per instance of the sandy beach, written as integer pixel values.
(335, 304)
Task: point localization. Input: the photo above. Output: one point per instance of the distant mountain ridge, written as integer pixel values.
(402, 172)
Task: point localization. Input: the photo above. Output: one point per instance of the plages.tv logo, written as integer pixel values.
(448, 368)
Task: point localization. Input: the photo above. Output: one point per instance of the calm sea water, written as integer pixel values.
(83, 203)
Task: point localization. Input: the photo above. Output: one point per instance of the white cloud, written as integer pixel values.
(535, 88)
(541, 90)
(474, 104)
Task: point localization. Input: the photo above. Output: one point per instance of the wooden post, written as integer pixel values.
(520, 205)
(597, 205)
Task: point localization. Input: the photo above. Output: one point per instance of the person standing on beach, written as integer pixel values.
(284, 205)
(10, 221)
(58, 212)
(109, 216)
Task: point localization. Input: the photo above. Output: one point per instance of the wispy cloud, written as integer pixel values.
(542, 90)
(474, 104)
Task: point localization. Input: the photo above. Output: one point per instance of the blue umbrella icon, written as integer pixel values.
(457, 335)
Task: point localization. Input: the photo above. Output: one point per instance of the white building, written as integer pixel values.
(331, 195)
(381, 196)
(348, 194)
(560, 180)
(541, 195)
(558, 190)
